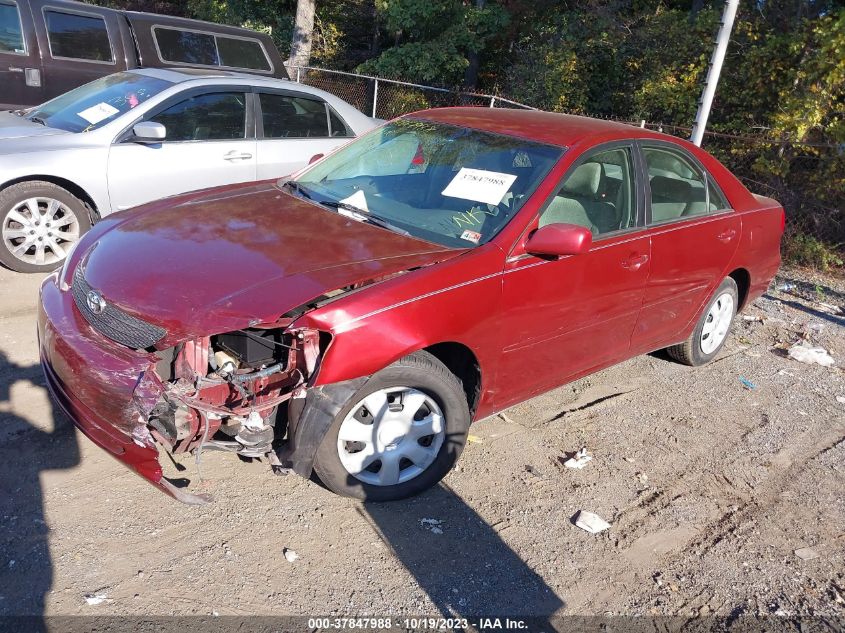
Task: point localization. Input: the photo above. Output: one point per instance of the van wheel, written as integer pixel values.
(711, 332)
(398, 435)
(41, 222)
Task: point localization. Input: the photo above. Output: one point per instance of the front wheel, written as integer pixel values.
(398, 435)
(711, 332)
(39, 223)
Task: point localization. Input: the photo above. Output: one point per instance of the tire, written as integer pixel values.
(703, 345)
(395, 432)
(37, 240)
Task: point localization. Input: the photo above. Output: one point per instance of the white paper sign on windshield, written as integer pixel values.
(479, 185)
(359, 200)
(97, 113)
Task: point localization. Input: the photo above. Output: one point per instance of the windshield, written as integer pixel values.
(449, 185)
(95, 104)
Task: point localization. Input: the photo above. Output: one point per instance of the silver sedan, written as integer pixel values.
(140, 135)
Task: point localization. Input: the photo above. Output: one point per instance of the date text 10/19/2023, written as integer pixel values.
(418, 624)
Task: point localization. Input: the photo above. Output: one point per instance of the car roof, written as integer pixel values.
(180, 75)
(535, 125)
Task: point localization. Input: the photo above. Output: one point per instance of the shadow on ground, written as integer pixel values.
(467, 570)
(26, 571)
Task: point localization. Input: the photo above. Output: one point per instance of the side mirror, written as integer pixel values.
(148, 132)
(560, 239)
(315, 158)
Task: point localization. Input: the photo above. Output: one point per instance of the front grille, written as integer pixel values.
(112, 322)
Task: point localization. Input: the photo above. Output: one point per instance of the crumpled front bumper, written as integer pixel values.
(93, 379)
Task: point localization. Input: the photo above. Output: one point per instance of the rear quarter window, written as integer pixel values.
(76, 36)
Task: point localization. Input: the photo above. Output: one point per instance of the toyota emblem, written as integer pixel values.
(95, 302)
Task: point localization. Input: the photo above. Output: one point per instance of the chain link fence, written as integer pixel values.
(807, 178)
(389, 98)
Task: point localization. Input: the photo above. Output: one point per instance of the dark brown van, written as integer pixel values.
(48, 47)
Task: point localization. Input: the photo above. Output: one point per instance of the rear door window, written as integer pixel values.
(679, 188)
(286, 116)
(217, 116)
(76, 36)
(11, 34)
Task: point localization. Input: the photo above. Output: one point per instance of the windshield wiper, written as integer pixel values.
(295, 186)
(362, 215)
(36, 119)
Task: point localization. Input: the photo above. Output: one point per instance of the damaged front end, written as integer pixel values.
(228, 392)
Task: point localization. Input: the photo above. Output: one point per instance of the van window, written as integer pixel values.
(11, 38)
(239, 53)
(209, 49)
(187, 47)
(77, 36)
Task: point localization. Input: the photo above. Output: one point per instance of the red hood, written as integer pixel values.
(216, 262)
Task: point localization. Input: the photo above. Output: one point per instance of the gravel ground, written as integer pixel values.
(710, 488)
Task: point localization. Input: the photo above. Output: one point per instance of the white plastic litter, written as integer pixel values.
(811, 355)
(95, 598)
(840, 399)
(590, 522)
(806, 553)
(579, 460)
(290, 555)
(432, 525)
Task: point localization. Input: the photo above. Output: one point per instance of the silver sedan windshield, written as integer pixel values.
(95, 104)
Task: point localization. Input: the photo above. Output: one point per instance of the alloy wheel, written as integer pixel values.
(40, 230)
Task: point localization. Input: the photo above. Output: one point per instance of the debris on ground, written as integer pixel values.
(810, 355)
(829, 308)
(642, 478)
(806, 553)
(747, 383)
(94, 599)
(840, 399)
(590, 522)
(432, 525)
(579, 460)
(786, 287)
(290, 555)
(474, 439)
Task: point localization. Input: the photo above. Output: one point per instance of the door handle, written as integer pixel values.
(726, 236)
(15, 69)
(634, 262)
(235, 155)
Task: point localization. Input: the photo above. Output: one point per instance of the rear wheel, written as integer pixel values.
(39, 223)
(711, 332)
(398, 435)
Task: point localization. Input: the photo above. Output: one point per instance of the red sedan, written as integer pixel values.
(353, 321)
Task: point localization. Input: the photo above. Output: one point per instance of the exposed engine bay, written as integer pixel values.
(229, 392)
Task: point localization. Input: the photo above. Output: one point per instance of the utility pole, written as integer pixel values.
(713, 72)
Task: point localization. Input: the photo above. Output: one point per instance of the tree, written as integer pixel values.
(303, 32)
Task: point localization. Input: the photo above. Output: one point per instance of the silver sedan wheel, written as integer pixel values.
(39, 230)
(717, 323)
(391, 436)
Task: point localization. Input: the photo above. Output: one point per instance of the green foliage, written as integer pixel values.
(434, 38)
(806, 250)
